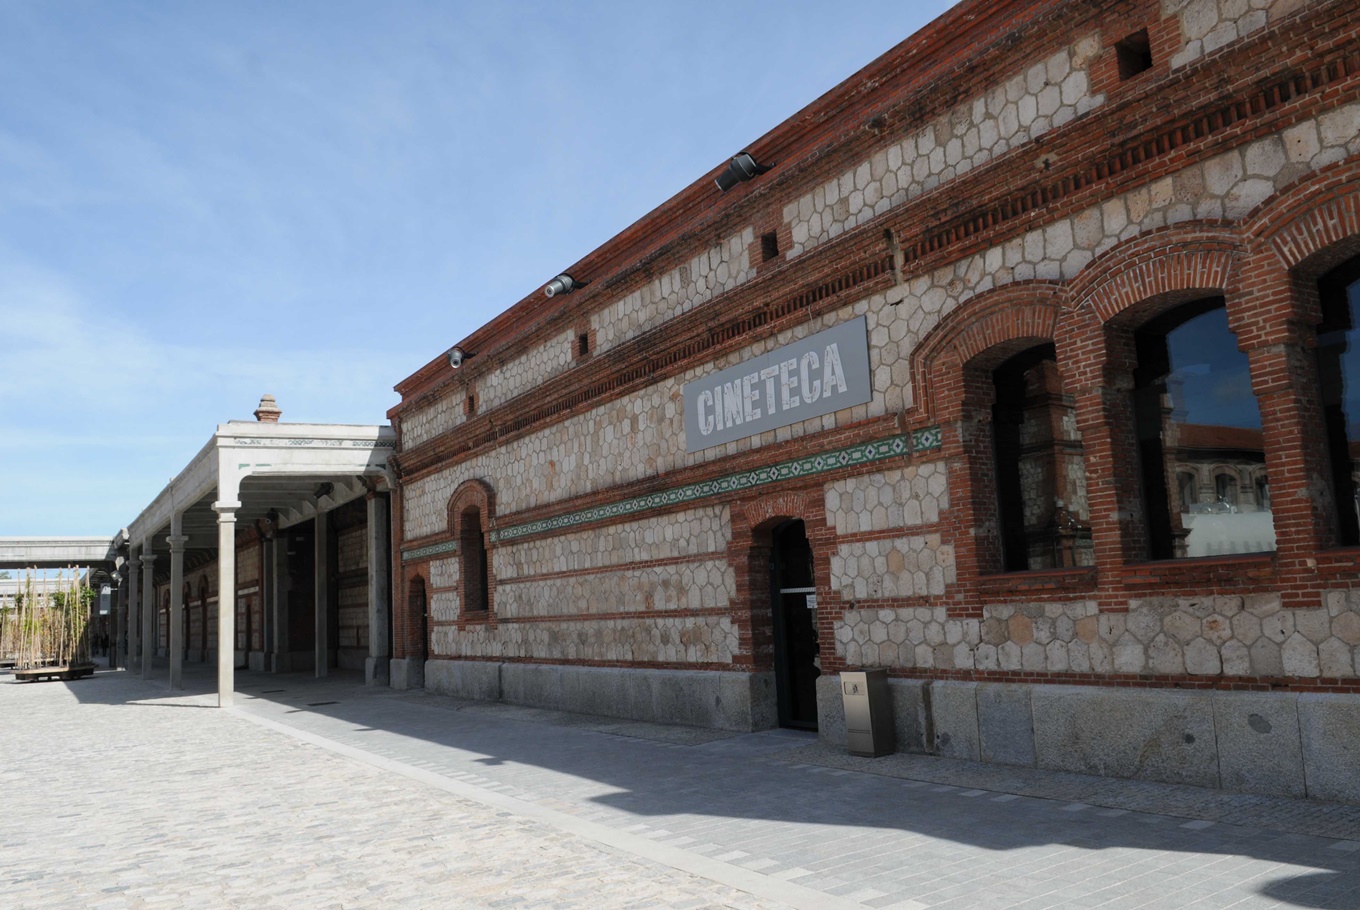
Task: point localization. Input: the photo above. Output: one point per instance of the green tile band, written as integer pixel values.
(434, 549)
(891, 447)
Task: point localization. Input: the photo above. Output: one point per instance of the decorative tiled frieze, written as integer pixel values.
(892, 447)
(383, 443)
(434, 549)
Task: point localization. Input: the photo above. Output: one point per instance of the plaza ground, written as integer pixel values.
(326, 793)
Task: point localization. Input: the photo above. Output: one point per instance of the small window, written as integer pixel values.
(1134, 54)
(1225, 490)
(470, 405)
(583, 344)
(476, 587)
(1188, 484)
(769, 246)
(1262, 490)
(1196, 414)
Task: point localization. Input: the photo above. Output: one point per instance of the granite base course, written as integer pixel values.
(1269, 743)
(700, 698)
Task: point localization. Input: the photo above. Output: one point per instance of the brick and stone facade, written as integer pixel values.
(1021, 179)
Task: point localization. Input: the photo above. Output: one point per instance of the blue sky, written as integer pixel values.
(204, 202)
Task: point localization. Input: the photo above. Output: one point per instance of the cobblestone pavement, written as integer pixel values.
(328, 794)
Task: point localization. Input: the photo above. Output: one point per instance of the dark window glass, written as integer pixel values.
(1040, 470)
(475, 575)
(1338, 356)
(1196, 414)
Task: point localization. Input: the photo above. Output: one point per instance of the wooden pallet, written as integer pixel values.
(33, 674)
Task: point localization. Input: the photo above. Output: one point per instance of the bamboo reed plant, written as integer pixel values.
(49, 622)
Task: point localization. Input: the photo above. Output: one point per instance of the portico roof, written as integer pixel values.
(56, 552)
(284, 471)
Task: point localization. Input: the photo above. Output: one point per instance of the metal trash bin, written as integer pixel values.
(868, 713)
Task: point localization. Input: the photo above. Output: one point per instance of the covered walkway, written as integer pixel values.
(267, 493)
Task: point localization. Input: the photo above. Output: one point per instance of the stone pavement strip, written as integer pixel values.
(324, 793)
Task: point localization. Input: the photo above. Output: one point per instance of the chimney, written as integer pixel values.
(268, 411)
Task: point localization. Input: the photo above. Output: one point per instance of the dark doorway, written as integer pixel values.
(793, 603)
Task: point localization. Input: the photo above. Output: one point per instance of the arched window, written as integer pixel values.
(472, 543)
(1225, 490)
(1261, 491)
(1040, 469)
(1338, 356)
(1188, 484)
(1193, 407)
(472, 512)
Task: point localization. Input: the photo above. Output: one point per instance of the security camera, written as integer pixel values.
(740, 169)
(456, 357)
(563, 284)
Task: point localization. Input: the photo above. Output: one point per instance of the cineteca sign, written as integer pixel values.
(820, 374)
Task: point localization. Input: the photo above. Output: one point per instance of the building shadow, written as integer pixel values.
(740, 776)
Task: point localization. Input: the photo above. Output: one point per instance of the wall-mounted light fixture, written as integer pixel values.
(456, 357)
(740, 169)
(563, 284)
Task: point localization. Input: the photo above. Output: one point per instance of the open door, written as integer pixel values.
(793, 602)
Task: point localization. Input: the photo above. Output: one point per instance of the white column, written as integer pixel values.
(134, 625)
(148, 610)
(119, 617)
(379, 592)
(226, 601)
(279, 600)
(322, 593)
(177, 540)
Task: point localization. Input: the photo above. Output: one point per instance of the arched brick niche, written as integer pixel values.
(975, 357)
(472, 512)
(1298, 239)
(749, 553)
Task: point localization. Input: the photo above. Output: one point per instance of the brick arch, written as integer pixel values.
(764, 513)
(748, 553)
(471, 494)
(1314, 224)
(992, 325)
(1157, 270)
(476, 578)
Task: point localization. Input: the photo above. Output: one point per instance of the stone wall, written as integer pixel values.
(1225, 635)
(716, 270)
(1044, 207)
(1044, 95)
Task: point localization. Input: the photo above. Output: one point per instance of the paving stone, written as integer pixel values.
(401, 799)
